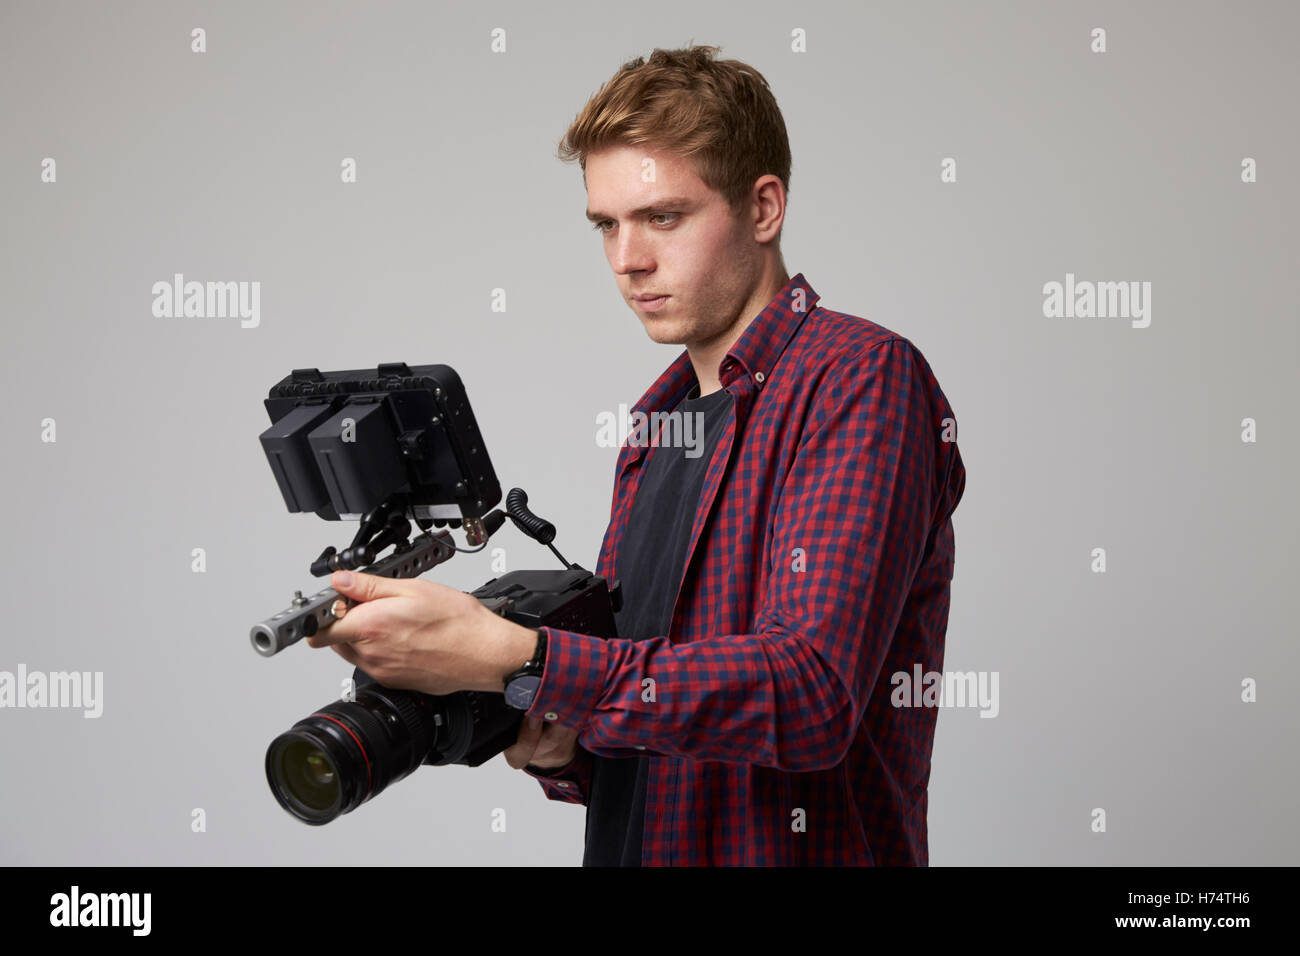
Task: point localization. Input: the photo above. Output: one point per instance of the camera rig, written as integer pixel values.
(392, 446)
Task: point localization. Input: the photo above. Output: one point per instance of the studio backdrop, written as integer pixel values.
(1082, 214)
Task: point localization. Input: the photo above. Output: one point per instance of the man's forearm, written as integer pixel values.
(512, 646)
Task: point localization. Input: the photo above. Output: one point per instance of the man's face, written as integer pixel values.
(674, 236)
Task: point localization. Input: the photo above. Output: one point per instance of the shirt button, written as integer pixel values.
(562, 783)
(551, 715)
(639, 747)
(758, 377)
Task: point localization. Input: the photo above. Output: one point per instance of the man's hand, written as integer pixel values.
(413, 634)
(545, 745)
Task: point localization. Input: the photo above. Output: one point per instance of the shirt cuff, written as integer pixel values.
(573, 678)
(570, 783)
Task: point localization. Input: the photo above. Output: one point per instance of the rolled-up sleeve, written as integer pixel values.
(848, 534)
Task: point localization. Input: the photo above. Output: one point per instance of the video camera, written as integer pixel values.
(390, 446)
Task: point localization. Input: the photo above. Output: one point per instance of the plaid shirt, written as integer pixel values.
(820, 564)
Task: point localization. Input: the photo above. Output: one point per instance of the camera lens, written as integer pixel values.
(338, 758)
(342, 755)
(308, 775)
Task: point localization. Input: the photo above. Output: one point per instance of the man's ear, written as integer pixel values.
(768, 204)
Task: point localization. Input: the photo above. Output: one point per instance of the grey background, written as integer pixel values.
(1119, 690)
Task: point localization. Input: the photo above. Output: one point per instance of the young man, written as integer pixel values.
(778, 570)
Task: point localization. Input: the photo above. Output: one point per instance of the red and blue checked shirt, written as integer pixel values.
(820, 564)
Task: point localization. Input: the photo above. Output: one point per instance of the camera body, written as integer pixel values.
(345, 753)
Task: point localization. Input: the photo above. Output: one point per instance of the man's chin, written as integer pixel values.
(663, 332)
(665, 338)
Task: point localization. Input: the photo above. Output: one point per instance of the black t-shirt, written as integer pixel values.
(651, 559)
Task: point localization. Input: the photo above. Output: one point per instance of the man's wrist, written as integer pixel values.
(550, 771)
(518, 648)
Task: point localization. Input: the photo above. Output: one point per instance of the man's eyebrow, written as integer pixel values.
(659, 205)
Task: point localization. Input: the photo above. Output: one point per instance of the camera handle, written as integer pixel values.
(388, 524)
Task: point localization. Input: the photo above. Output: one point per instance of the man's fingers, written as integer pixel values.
(348, 653)
(561, 734)
(557, 747)
(518, 756)
(367, 587)
(520, 753)
(332, 636)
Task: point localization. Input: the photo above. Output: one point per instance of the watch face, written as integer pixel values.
(521, 691)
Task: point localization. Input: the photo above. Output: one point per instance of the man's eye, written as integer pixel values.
(600, 226)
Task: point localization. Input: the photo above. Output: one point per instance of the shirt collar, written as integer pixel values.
(754, 354)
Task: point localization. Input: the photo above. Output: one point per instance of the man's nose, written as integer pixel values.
(631, 253)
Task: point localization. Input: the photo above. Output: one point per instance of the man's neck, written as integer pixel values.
(706, 357)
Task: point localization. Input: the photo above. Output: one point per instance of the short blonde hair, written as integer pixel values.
(719, 114)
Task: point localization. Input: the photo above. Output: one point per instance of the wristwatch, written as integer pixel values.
(521, 685)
